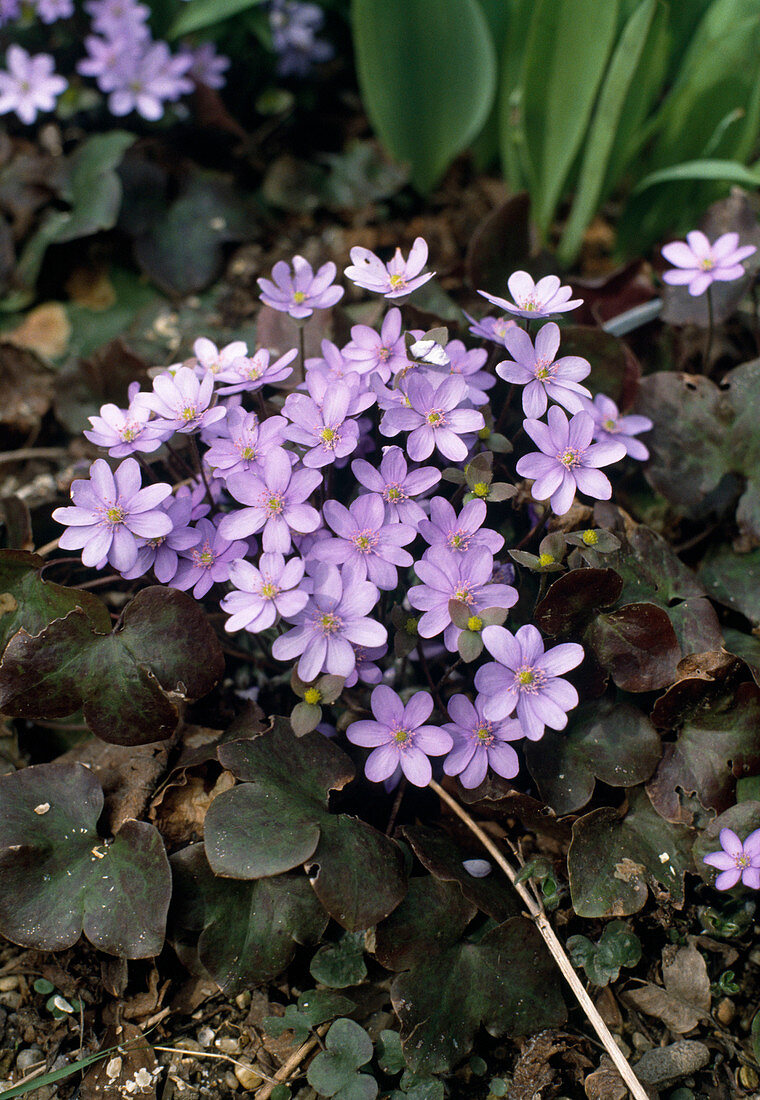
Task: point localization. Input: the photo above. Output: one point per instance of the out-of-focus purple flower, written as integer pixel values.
(120, 19)
(526, 678)
(207, 66)
(396, 485)
(214, 360)
(182, 401)
(245, 444)
(434, 419)
(383, 352)
(365, 540)
(111, 511)
(334, 620)
(103, 61)
(331, 365)
(542, 375)
(208, 562)
(366, 670)
(198, 495)
(161, 552)
(737, 860)
(275, 500)
(323, 429)
(9, 10)
(263, 595)
(148, 79)
(399, 736)
(294, 27)
(124, 431)
(299, 291)
(469, 364)
(248, 375)
(698, 263)
(491, 328)
(30, 85)
(459, 533)
(611, 427)
(541, 299)
(395, 279)
(449, 576)
(479, 743)
(568, 459)
(50, 11)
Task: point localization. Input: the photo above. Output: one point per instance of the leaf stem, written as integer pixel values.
(710, 329)
(555, 947)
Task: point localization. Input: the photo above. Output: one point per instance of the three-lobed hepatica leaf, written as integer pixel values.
(614, 859)
(28, 602)
(606, 740)
(124, 681)
(278, 819)
(617, 947)
(335, 1070)
(245, 932)
(451, 985)
(60, 878)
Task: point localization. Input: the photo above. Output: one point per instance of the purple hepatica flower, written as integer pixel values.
(479, 742)
(448, 576)
(50, 11)
(459, 533)
(264, 594)
(300, 292)
(111, 511)
(30, 84)
(275, 500)
(383, 352)
(568, 460)
(323, 429)
(542, 375)
(246, 443)
(182, 401)
(208, 562)
(214, 360)
(161, 552)
(397, 486)
(469, 365)
(149, 78)
(332, 366)
(208, 67)
(124, 431)
(611, 427)
(491, 328)
(737, 860)
(698, 263)
(334, 620)
(395, 279)
(366, 670)
(294, 27)
(433, 418)
(249, 375)
(105, 56)
(124, 19)
(541, 299)
(9, 10)
(365, 540)
(400, 737)
(526, 679)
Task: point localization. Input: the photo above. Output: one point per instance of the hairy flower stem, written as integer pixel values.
(302, 351)
(710, 329)
(555, 947)
(396, 805)
(199, 467)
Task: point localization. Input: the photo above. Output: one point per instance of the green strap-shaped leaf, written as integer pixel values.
(427, 73)
(725, 171)
(199, 14)
(60, 878)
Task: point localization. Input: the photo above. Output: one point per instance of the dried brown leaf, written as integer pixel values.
(685, 1000)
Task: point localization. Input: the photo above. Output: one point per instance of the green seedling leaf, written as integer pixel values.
(415, 1086)
(42, 985)
(614, 860)
(60, 878)
(334, 1071)
(127, 681)
(389, 1053)
(312, 1009)
(246, 932)
(716, 745)
(340, 964)
(427, 121)
(602, 961)
(605, 740)
(30, 603)
(278, 818)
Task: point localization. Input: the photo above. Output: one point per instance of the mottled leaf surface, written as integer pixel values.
(637, 645)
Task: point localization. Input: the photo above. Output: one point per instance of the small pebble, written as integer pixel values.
(243, 999)
(664, 1065)
(30, 1057)
(640, 1042)
(9, 982)
(248, 1078)
(726, 1011)
(228, 1045)
(11, 1000)
(206, 1037)
(748, 1077)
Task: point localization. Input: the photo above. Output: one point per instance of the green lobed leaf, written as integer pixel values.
(427, 74)
(614, 859)
(602, 961)
(334, 1070)
(312, 1009)
(340, 964)
(607, 740)
(124, 681)
(246, 932)
(199, 14)
(60, 878)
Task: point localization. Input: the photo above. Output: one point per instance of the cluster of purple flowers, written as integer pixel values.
(295, 26)
(312, 574)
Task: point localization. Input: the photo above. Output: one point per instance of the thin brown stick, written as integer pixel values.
(213, 1054)
(47, 548)
(25, 453)
(555, 947)
(286, 1070)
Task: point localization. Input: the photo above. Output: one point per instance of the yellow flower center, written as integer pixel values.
(401, 736)
(329, 622)
(312, 696)
(484, 433)
(480, 489)
(483, 733)
(115, 515)
(434, 418)
(327, 435)
(590, 538)
(410, 626)
(396, 281)
(570, 458)
(525, 677)
(546, 559)
(248, 453)
(188, 414)
(299, 297)
(269, 590)
(707, 264)
(475, 623)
